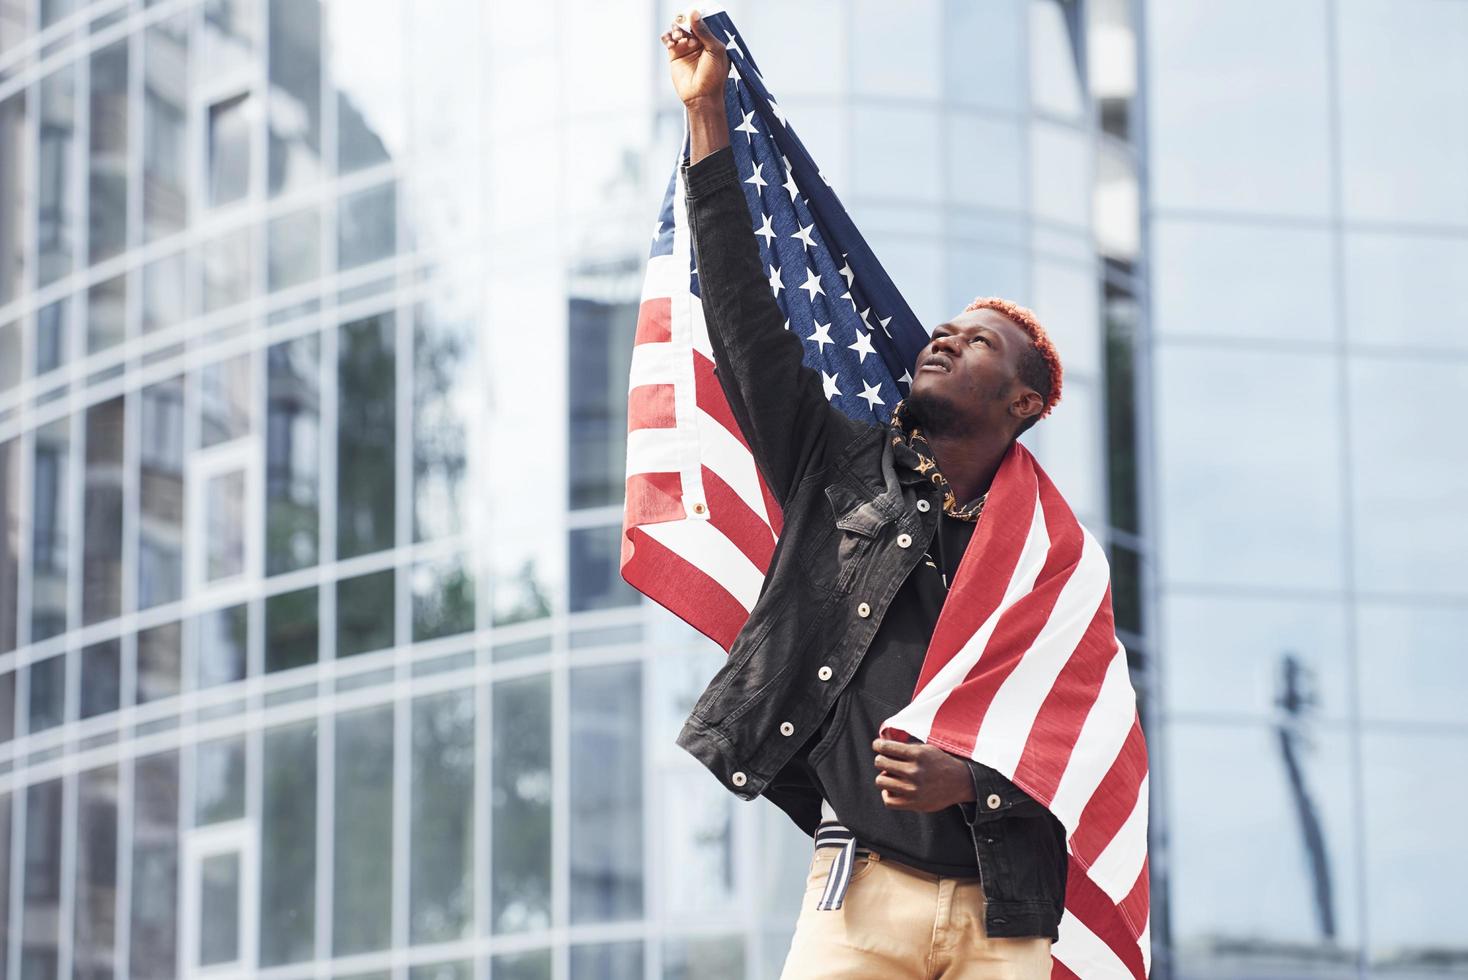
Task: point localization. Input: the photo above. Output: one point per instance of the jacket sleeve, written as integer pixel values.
(778, 402)
(994, 795)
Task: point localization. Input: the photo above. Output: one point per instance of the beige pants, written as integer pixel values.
(898, 922)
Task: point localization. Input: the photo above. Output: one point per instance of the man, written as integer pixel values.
(957, 873)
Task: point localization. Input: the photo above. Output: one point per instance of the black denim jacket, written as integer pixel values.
(835, 569)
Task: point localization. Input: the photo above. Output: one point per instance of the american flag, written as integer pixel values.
(1024, 672)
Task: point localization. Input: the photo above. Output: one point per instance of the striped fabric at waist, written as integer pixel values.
(832, 833)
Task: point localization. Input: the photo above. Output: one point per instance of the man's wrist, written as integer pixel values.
(708, 128)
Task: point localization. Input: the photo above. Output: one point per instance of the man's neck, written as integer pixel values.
(968, 462)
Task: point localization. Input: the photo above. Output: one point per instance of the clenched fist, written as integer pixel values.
(697, 60)
(921, 777)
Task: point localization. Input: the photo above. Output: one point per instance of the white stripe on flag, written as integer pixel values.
(917, 718)
(1116, 868)
(1144, 941)
(1006, 727)
(1100, 740)
(653, 363)
(1086, 954)
(704, 547)
(654, 451)
(727, 457)
(662, 278)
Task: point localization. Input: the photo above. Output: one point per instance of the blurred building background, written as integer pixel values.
(315, 320)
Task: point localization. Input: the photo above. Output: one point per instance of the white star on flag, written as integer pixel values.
(829, 381)
(756, 179)
(812, 284)
(863, 346)
(767, 230)
(869, 392)
(822, 335)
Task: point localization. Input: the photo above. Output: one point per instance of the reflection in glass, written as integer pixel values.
(441, 890)
(56, 230)
(219, 780)
(106, 314)
(9, 545)
(155, 860)
(11, 361)
(443, 350)
(607, 961)
(165, 126)
(50, 507)
(225, 264)
(697, 858)
(101, 680)
(95, 919)
(714, 958)
(53, 335)
(1293, 779)
(520, 802)
(365, 445)
(13, 213)
(362, 825)
(596, 578)
(102, 513)
(48, 692)
(161, 494)
(107, 181)
(159, 656)
(1410, 489)
(229, 149)
(224, 400)
(292, 454)
(229, 33)
(1406, 289)
(534, 965)
(606, 793)
(7, 732)
(219, 909)
(1411, 662)
(1271, 516)
(41, 889)
(222, 637)
(369, 77)
(364, 613)
(599, 347)
(294, 245)
(163, 293)
(1417, 927)
(295, 94)
(224, 526)
(443, 598)
(442, 971)
(288, 845)
(366, 227)
(290, 629)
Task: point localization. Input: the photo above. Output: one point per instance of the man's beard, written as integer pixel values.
(938, 416)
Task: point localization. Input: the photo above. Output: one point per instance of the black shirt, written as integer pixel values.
(838, 756)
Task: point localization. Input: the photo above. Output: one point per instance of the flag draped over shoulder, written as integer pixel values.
(1024, 672)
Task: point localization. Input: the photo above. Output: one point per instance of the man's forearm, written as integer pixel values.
(708, 129)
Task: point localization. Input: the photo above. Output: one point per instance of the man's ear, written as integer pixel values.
(1028, 403)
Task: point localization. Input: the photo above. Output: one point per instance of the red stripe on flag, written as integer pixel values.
(682, 588)
(960, 718)
(655, 321)
(1114, 799)
(1134, 906)
(1059, 971)
(736, 521)
(1000, 536)
(1058, 723)
(652, 407)
(1094, 908)
(653, 498)
(709, 396)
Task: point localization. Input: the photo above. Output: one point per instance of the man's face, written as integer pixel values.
(967, 375)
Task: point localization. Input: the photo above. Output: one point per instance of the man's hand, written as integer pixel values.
(698, 60)
(920, 777)
(700, 67)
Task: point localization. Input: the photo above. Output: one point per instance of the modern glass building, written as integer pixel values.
(315, 325)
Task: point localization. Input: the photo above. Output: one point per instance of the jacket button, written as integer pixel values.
(863, 610)
(903, 540)
(993, 801)
(824, 674)
(923, 505)
(786, 728)
(739, 779)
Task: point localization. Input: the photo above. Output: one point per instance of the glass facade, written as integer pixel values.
(315, 326)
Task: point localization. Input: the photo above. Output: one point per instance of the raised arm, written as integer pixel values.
(778, 402)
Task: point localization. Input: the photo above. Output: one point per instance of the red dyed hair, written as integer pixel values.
(1039, 339)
